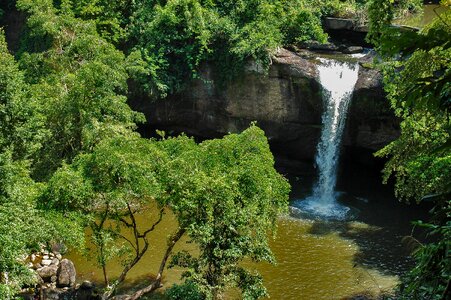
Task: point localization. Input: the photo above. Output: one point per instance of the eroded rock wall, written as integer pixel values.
(286, 103)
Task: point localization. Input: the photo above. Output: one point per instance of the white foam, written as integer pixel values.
(338, 80)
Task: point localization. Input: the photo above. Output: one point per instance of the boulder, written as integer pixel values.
(87, 291)
(66, 274)
(46, 262)
(87, 285)
(353, 49)
(316, 46)
(47, 272)
(58, 248)
(58, 294)
(338, 23)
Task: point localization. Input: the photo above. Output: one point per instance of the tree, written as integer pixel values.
(225, 195)
(111, 185)
(23, 227)
(19, 121)
(110, 17)
(419, 90)
(67, 148)
(417, 79)
(78, 81)
(174, 38)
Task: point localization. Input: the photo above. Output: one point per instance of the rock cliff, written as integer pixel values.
(286, 103)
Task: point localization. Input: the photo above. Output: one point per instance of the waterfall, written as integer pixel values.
(338, 80)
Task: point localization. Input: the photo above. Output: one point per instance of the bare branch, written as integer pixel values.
(130, 242)
(154, 224)
(156, 284)
(123, 221)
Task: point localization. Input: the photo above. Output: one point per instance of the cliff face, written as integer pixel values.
(286, 103)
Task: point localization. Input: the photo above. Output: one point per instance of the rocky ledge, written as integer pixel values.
(55, 278)
(286, 103)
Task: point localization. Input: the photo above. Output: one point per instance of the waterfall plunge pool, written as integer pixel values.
(356, 251)
(317, 259)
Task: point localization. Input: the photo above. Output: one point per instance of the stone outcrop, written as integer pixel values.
(66, 274)
(55, 278)
(48, 273)
(330, 23)
(84, 291)
(370, 124)
(286, 103)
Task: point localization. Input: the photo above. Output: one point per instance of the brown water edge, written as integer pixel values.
(314, 261)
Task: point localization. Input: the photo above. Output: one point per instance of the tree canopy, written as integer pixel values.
(70, 158)
(22, 225)
(167, 41)
(418, 83)
(225, 195)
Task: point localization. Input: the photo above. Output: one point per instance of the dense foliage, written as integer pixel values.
(23, 227)
(418, 82)
(418, 86)
(70, 159)
(236, 199)
(167, 41)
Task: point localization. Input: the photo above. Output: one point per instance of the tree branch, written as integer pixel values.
(156, 284)
(154, 224)
(139, 253)
(130, 242)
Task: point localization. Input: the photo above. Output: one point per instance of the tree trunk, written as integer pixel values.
(156, 284)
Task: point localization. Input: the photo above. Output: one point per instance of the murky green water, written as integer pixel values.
(319, 265)
(430, 12)
(316, 259)
(311, 264)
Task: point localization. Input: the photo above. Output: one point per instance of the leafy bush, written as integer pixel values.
(172, 39)
(109, 17)
(302, 25)
(186, 291)
(417, 81)
(167, 41)
(429, 279)
(175, 38)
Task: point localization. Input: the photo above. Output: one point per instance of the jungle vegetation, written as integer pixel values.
(417, 75)
(71, 159)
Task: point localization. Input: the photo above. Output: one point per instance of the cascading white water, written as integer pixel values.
(338, 80)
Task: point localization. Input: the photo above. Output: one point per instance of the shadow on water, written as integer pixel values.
(139, 282)
(379, 224)
(377, 247)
